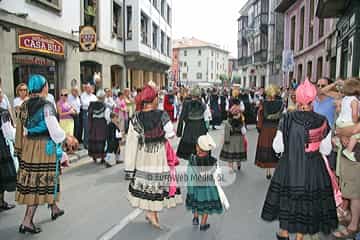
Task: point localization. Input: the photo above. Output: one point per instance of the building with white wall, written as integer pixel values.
(121, 56)
(149, 38)
(200, 62)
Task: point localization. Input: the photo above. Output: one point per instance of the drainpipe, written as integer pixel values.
(124, 42)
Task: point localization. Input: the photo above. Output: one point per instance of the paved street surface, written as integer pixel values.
(94, 200)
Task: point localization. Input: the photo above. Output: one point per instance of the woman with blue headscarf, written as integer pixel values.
(38, 144)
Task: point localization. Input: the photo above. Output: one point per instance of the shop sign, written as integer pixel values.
(87, 38)
(40, 43)
(33, 60)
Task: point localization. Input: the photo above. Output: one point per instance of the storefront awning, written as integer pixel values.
(284, 5)
(331, 8)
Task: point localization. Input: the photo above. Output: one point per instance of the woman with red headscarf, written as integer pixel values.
(300, 195)
(146, 164)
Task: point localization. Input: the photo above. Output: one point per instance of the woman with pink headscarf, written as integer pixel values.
(300, 194)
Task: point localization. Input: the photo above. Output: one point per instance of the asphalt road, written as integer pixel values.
(94, 200)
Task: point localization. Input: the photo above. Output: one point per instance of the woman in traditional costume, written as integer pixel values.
(169, 106)
(38, 139)
(300, 194)
(7, 166)
(146, 163)
(192, 115)
(99, 114)
(269, 115)
(215, 107)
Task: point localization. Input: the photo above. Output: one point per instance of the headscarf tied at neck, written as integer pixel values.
(306, 93)
(148, 94)
(36, 83)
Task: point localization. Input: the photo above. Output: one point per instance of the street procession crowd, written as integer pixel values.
(308, 145)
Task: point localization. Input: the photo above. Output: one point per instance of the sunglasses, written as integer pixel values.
(321, 85)
(64, 95)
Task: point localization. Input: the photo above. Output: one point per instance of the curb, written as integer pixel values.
(78, 156)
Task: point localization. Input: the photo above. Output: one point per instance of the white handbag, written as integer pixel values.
(224, 201)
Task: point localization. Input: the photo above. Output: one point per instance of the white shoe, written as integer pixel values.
(349, 155)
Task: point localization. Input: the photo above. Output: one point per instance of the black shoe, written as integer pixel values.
(119, 162)
(268, 176)
(54, 216)
(108, 165)
(282, 238)
(239, 167)
(195, 221)
(34, 230)
(204, 227)
(6, 206)
(213, 128)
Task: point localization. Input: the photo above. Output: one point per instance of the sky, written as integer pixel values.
(212, 21)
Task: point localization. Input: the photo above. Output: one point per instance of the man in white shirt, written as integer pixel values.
(74, 100)
(86, 98)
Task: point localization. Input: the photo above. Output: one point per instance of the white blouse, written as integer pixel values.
(325, 145)
(57, 134)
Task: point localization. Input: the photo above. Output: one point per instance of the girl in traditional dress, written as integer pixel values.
(300, 194)
(192, 115)
(234, 148)
(38, 139)
(169, 107)
(269, 114)
(202, 196)
(113, 140)
(146, 163)
(7, 166)
(99, 114)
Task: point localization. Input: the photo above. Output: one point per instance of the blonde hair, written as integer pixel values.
(351, 87)
(17, 90)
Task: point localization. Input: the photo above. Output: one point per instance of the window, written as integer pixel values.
(184, 76)
(309, 70)
(163, 3)
(169, 13)
(199, 76)
(117, 21)
(212, 76)
(311, 22)
(199, 63)
(90, 12)
(49, 4)
(212, 53)
(129, 23)
(185, 64)
(168, 46)
(144, 29)
(321, 27)
(155, 34)
(185, 53)
(319, 71)
(302, 28)
(292, 36)
(199, 52)
(162, 42)
(300, 73)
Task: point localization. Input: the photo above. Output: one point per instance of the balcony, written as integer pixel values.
(243, 61)
(260, 56)
(331, 8)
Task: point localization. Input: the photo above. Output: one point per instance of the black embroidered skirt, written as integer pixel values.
(7, 169)
(307, 209)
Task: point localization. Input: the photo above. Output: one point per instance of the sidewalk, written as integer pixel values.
(78, 156)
